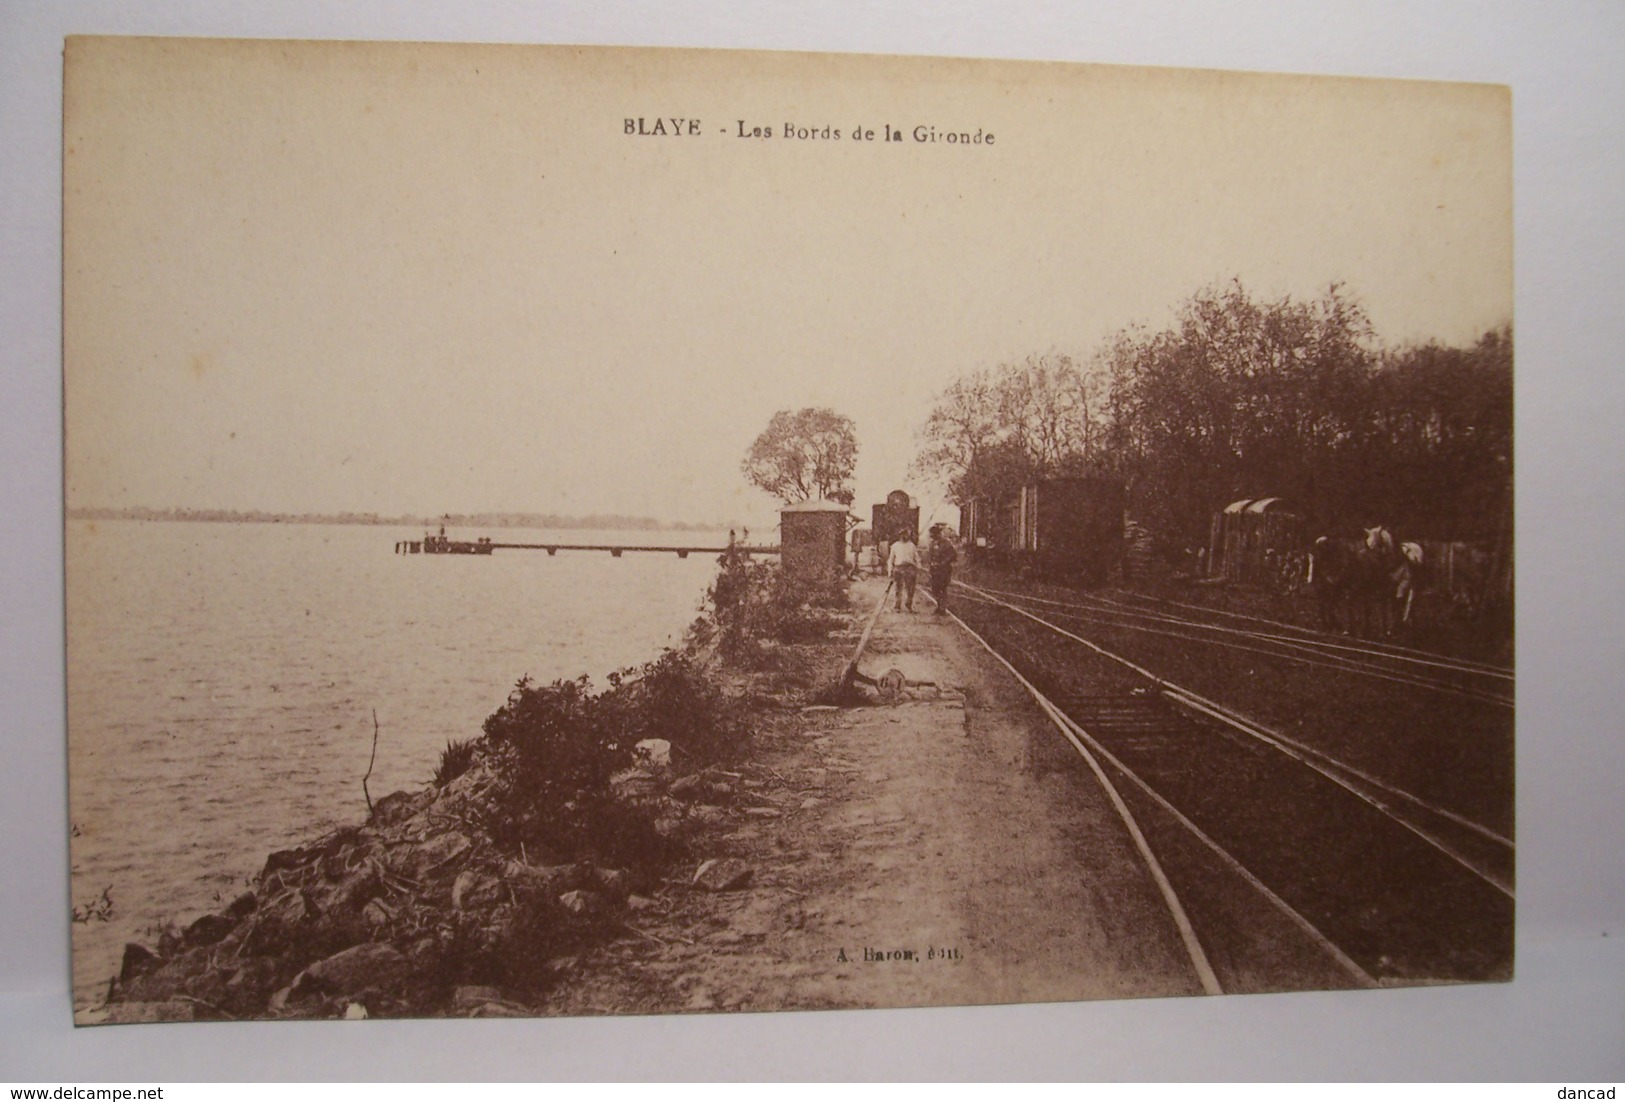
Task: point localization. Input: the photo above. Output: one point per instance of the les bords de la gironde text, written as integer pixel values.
(668, 126)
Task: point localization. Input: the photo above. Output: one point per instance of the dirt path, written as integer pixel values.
(950, 834)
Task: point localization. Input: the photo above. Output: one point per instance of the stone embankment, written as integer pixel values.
(933, 843)
(417, 913)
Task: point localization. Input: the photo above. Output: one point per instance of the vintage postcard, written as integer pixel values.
(562, 531)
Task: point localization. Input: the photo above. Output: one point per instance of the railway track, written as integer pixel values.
(1283, 864)
(1380, 648)
(1383, 662)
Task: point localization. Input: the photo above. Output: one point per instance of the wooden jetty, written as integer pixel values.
(439, 545)
(616, 549)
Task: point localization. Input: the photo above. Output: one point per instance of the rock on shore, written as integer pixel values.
(416, 913)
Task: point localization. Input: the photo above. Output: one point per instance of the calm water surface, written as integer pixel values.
(222, 680)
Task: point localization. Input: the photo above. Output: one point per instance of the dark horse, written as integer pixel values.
(1360, 583)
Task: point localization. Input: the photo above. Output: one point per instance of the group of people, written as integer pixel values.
(904, 562)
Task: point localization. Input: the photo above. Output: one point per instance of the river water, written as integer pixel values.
(222, 681)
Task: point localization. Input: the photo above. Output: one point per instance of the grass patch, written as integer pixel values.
(455, 760)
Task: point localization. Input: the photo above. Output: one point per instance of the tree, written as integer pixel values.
(962, 427)
(1439, 438)
(995, 430)
(807, 454)
(1242, 398)
(1039, 407)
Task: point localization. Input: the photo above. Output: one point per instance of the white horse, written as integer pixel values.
(1364, 584)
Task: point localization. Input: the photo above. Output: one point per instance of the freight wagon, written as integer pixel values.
(1067, 530)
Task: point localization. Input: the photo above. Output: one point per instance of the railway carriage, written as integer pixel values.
(1259, 541)
(1060, 529)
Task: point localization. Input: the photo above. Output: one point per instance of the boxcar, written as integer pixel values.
(1060, 529)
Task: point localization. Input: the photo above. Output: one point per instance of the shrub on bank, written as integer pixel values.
(672, 699)
(752, 604)
(802, 613)
(553, 750)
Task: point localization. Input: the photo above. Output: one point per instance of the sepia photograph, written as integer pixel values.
(465, 463)
(569, 531)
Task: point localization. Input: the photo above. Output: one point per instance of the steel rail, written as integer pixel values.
(851, 671)
(1299, 642)
(1325, 661)
(1379, 649)
(1324, 642)
(1083, 742)
(1270, 733)
(1248, 727)
(1187, 932)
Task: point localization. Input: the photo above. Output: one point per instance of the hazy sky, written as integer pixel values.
(441, 278)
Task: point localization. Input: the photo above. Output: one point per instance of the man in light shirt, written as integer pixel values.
(904, 565)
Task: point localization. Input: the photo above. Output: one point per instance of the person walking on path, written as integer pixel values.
(941, 555)
(904, 565)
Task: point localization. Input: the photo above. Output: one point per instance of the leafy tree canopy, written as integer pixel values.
(1242, 397)
(802, 455)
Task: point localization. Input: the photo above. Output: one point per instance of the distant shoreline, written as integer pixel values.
(612, 521)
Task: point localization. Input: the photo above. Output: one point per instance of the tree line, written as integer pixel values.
(1243, 398)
